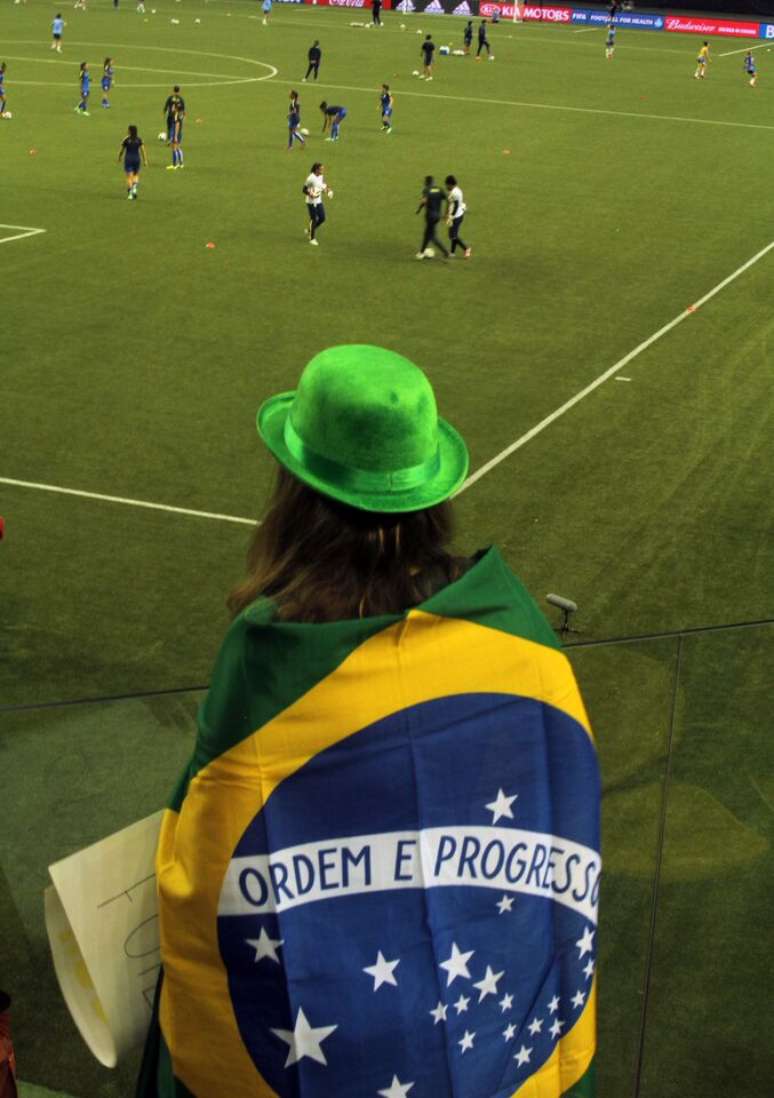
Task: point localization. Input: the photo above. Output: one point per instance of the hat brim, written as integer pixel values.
(452, 466)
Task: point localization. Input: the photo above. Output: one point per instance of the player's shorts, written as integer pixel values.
(106, 84)
(85, 93)
(132, 166)
(293, 121)
(701, 60)
(57, 37)
(387, 112)
(342, 114)
(171, 134)
(316, 212)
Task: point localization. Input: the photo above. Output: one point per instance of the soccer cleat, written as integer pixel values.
(315, 243)
(389, 129)
(171, 167)
(468, 253)
(420, 255)
(429, 78)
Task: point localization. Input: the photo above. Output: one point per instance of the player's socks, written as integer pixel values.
(179, 158)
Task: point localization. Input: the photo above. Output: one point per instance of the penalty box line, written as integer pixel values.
(24, 230)
(486, 468)
(622, 362)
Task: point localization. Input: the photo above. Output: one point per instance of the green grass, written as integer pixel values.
(134, 359)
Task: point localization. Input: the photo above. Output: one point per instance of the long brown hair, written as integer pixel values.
(319, 560)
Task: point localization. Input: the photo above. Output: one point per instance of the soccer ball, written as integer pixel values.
(415, 72)
(403, 26)
(330, 194)
(304, 131)
(162, 136)
(7, 114)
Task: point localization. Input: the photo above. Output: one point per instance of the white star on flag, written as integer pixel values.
(523, 1055)
(457, 964)
(382, 971)
(535, 1026)
(578, 999)
(505, 904)
(439, 1013)
(501, 807)
(304, 1040)
(585, 944)
(462, 1004)
(506, 1003)
(589, 970)
(556, 1028)
(396, 1089)
(467, 1041)
(265, 946)
(553, 1006)
(510, 1032)
(488, 985)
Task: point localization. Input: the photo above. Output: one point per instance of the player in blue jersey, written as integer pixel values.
(483, 42)
(57, 28)
(333, 117)
(2, 89)
(266, 9)
(749, 68)
(85, 88)
(386, 100)
(174, 112)
(107, 81)
(131, 150)
(294, 121)
(467, 38)
(610, 41)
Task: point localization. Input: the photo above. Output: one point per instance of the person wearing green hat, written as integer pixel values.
(377, 707)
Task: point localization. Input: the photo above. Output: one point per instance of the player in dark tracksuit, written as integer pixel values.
(467, 37)
(376, 12)
(483, 41)
(314, 55)
(431, 202)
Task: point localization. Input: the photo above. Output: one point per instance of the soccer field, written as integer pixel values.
(605, 352)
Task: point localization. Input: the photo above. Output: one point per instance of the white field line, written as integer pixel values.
(19, 236)
(130, 68)
(549, 107)
(495, 461)
(525, 438)
(127, 502)
(568, 404)
(585, 30)
(730, 53)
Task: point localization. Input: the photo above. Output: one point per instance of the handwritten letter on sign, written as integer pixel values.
(102, 923)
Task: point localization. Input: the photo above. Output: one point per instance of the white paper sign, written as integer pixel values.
(102, 923)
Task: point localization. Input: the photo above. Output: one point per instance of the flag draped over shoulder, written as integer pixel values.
(379, 875)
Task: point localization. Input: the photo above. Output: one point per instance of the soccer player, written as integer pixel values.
(2, 89)
(266, 8)
(386, 101)
(483, 42)
(174, 110)
(467, 38)
(455, 211)
(85, 88)
(333, 117)
(131, 150)
(57, 26)
(701, 62)
(314, 55)
(431, 202)
(314, 188)
(294, 121)
(376, 13)
(428, 49)
(749, 68)
(107, 81)
(610, 42)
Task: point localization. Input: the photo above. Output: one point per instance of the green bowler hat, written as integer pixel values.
(363, 428)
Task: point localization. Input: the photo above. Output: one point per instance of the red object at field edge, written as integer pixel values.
(209, 244)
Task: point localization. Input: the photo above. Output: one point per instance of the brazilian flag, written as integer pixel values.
(379, 875)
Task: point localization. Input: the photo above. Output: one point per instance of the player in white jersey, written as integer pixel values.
(314, 188)
(455, 211)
